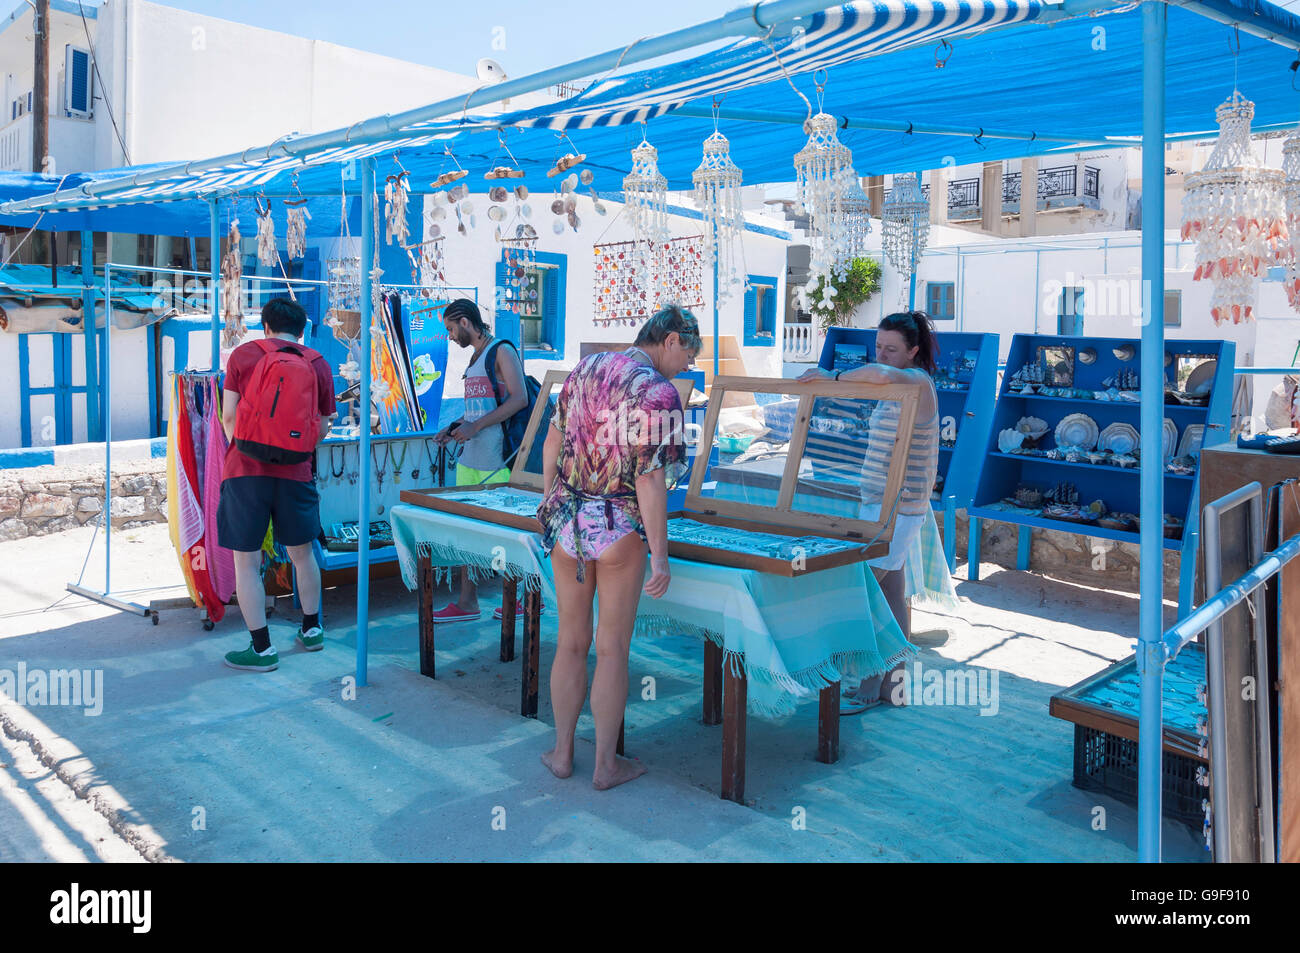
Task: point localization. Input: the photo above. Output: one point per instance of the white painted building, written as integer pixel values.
(165, 85)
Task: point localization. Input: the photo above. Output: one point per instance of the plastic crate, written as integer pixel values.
(1108, 763)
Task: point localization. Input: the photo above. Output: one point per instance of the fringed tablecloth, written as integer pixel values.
(450, 540)
(791, 637)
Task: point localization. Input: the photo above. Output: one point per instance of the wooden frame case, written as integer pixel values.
(521, 479)
(782, 518)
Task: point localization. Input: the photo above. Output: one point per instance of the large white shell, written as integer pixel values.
(1010, 439)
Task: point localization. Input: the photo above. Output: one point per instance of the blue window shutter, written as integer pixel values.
(751, 306)
(78, 66)
(550, 307)
(769, 314)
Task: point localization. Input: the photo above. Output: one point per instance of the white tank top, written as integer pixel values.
(483, 452)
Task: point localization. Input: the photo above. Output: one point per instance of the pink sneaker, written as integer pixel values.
(519, 609)
(454, 613)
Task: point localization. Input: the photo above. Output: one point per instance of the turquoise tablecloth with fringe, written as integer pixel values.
(791, 637)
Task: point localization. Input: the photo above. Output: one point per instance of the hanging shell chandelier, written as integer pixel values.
(856, 207)
(717, 196)
(905, 225)
(1233, 210)
(1291, 191)
(645, 192)
(824, 175)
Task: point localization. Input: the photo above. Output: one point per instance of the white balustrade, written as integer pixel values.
(802, 342)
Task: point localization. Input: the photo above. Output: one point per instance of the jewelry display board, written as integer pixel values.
(1065, 456)
(966, 384)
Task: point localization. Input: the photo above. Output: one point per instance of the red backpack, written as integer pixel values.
(278, 418)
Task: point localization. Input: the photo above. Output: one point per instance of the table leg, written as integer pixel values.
(712, 683)
(424, 574)
(532, 653)
(973, 549)
(828, 725)
(950, 532)
(622, 726)
(509, 595)
(734, 715)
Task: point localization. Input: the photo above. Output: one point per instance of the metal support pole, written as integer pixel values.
(717, 342)
(363, 416)
(90, 328)
(214, 266)
(1150, 657)
(108, 428)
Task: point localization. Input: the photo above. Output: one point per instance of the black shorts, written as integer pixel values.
(248, 503)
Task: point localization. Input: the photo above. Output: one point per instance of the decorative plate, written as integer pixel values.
(1200, 379)
(1077, 430)
(1118, 438)
(1171, 438)
(1193, 436)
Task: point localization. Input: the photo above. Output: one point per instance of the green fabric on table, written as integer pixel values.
(450, 541)
(790, 636)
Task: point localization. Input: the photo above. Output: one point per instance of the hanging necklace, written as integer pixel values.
(398, 462)
(380, 468)
(478, 351)
(343, 463)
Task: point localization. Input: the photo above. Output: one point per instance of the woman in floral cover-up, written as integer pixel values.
(614, 447)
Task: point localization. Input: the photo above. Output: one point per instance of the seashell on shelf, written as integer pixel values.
(1010, 439)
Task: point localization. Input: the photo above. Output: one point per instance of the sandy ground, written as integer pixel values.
(192, 761)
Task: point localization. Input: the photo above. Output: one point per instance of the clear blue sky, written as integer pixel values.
(536, 34)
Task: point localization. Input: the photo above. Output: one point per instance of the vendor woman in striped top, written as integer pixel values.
(906, 350)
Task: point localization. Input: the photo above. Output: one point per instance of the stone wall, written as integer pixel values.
(50, 499)
(1066, 556)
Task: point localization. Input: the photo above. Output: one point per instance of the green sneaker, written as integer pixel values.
(313, 640)
(249, 661)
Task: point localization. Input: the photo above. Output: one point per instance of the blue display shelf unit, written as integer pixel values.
(1118, 487)
(966, 384)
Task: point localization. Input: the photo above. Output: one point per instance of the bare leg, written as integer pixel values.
(569, 670)
(304, 564)
(894, 586)
(621, 576)
(249, 588)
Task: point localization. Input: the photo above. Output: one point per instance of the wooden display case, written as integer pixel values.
(810, 492)
(800, 516)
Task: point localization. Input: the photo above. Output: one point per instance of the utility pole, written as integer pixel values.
(41, 88)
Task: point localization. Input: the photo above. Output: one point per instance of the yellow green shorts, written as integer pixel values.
(468, 476)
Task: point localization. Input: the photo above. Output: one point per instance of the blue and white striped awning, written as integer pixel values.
(834, 37)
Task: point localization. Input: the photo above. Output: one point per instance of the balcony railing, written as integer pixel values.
(802, 342)
(1056, 187)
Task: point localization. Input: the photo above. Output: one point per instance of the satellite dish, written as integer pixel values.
(490, 70)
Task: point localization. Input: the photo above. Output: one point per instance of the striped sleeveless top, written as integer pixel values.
(922, 459)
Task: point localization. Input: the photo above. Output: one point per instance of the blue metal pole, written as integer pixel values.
(214, 266)
(1150, 655)
(363, 417)
(108, 426)
(90, 327)
(717, 342)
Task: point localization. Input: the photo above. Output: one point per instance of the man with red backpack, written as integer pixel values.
(277, 405)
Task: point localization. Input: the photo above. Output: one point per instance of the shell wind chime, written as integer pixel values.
(856, 211)
(905, 226)
(645, 192)
(1233, 211)
(397, 194)
(231, 274)
(295, 229)
(266, 253)
(824, 175)
(717, 195)
(1291, 191)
